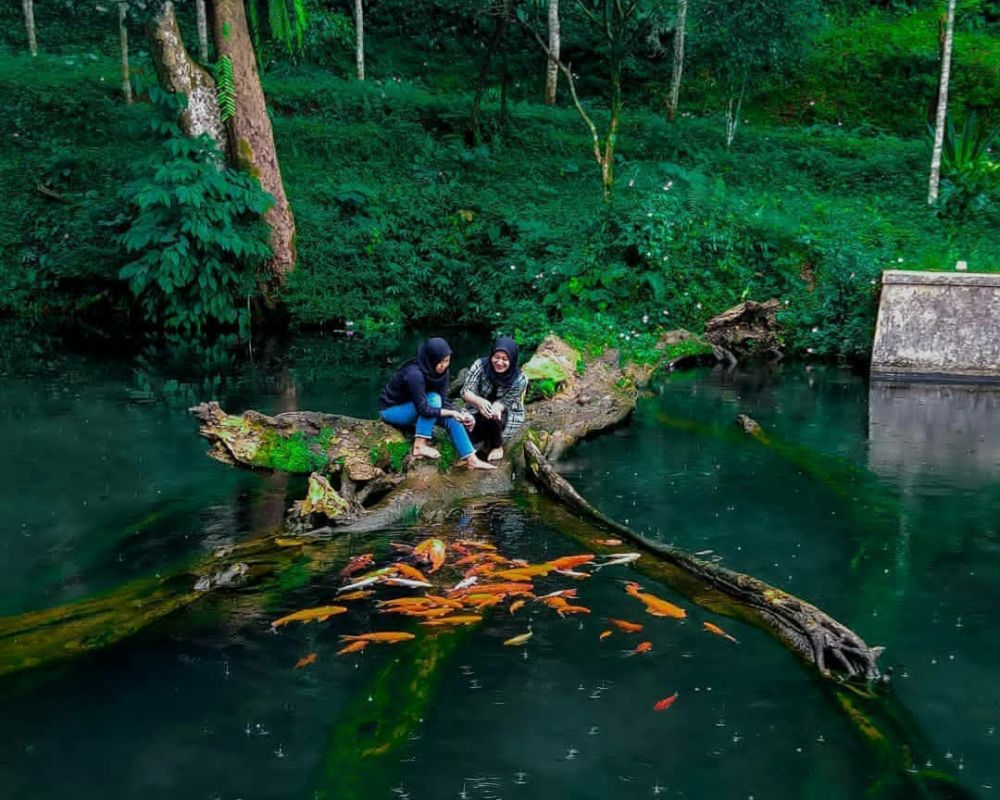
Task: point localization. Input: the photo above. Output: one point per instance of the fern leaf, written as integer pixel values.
(225, 88)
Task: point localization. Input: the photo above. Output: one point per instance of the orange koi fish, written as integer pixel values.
(356, 564)
(605, 634)
(718, 631)
(488, 602)
(444, 601)
(305, 661)
(405, 601)
(433, 551)
(461, 619)
(654, 605)
(525, 573)
(561, 607)
(356, 595)
(625, 625)
(574, 574)
(516, 605)
(642, 647)
(665, 703)
(559, 593)
(493, 588)
(410, 572)
(320, 614)
(353, 647)
(475, 545)
(381, 637)
(568, 562)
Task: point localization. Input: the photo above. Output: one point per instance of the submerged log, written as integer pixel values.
(805, 629)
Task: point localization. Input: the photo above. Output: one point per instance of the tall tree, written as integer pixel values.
(199, 6)
(675, 79)
(942, 105)
(552, 65)
(501, 12)
(251, 137)
(619, 26)
(359, 32)
(179, 73)
(123, 44)
(29, 24)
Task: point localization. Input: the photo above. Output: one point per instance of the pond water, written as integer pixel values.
(879, 505)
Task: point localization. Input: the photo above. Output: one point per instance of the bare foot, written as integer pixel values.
(475, 462)
(496, 454)
(423, 450)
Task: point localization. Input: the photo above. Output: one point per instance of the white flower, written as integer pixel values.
(666, 313)
(645, 319)
(815, 329)
(698, 306)
(512, 266)
(349, 324)
(810, 350)
(649, 213)
(899, 260)
(631, 183)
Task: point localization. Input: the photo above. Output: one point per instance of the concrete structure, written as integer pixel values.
(938, 324)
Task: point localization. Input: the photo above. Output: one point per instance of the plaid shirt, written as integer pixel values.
(512, 397)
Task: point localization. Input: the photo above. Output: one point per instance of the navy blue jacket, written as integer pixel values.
(409, 385)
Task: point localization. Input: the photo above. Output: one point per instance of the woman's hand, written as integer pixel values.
(485, 407)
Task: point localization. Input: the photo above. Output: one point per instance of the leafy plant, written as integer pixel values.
(194, 232)
(225, 88)
(971, 176)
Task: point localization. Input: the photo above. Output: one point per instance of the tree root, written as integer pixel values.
(815, 636)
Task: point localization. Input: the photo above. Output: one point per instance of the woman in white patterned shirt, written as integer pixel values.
(494, 391)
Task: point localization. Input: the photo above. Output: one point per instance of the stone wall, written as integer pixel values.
(938, 324)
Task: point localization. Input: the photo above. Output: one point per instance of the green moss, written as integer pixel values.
(449, 455)
(688, 347)
(541, 390)
(295, 453)
(389, 454)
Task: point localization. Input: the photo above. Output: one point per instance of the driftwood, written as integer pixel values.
(808, 631)
(749, 329)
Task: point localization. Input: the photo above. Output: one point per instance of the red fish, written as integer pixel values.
(356, 564)
(305, 661)
(568, 562)
(665, 703)
(625, 625)
(642, 647)
(605, 634)
(718, 631)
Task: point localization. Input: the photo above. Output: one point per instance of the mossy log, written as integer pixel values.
(805, 629)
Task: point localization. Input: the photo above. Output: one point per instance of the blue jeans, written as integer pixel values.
(406, 414)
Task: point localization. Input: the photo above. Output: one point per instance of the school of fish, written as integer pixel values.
(481, 579)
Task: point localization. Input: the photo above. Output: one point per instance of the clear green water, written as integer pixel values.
(106, 482)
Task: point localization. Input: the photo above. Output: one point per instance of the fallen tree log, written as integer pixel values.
(805, 629)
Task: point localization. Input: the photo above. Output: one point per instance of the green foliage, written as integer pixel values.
(193, 233)
(225, 88)
(390, 454)
(970, 176)
(295, 453)
(287, 21)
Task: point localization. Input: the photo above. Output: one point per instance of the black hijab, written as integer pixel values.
(429, 355)
(508, 346)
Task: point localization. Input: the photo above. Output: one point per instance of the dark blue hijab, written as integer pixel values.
(508, 346)
(429, 355)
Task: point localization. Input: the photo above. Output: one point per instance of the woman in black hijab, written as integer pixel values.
(418, 393)
(494, 389)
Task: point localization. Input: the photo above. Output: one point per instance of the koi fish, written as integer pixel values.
(444, 601)
(718, 631)
(617, 561)
(461, 619)
(381, 637)
(568, 562)
(665, 703)
(654, 605)
(559, 593)
(476, 545)
(605, 634)
(353, 647)
(407, 583)
(570, 573)
(355, 595)
(464, 584)
(410, 572)
(406, 601)
(493, 588)
(432, 551)
(516, 605)
(625, 625)
(320, 614)
(305, 661)
(561, 607)
(609, 542)
(525, 573)
(642, 647)
(488, 602)
(356, 564)
(361, 584)
(517, 641)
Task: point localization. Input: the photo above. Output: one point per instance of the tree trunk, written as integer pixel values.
(359, 28)
(484, 72)
(202, 30)
(942, 106)
(29, 24)
(675, 80)
(608, 156)
(178, 72)
(250, 135)
(123, 40)
(552, 66)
